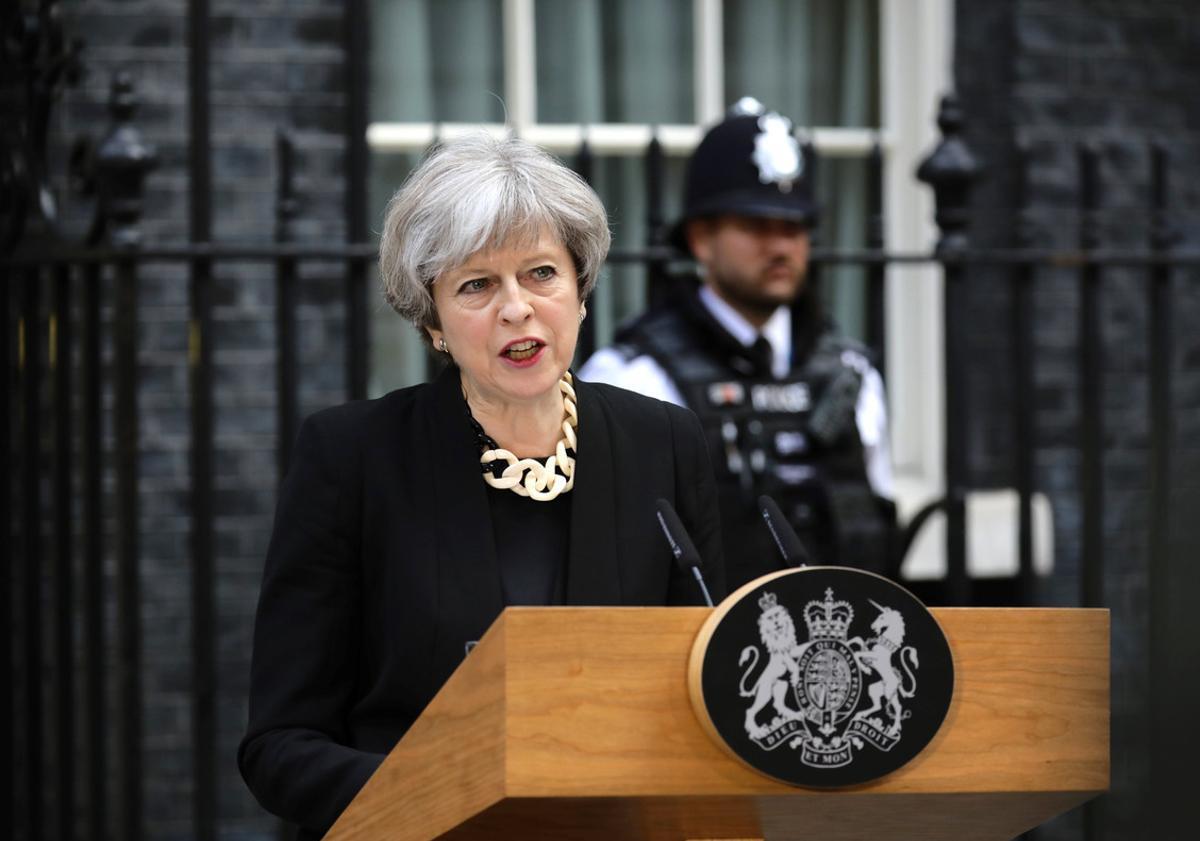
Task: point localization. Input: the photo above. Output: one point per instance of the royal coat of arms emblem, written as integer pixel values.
(813, 689)
(841, 701)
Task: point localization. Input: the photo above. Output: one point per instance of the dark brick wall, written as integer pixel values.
(1046, 76)
(273, 65)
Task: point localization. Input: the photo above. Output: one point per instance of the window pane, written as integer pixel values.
(621, 185)
(622, 61)
(815, 61)
(842, 197)
(437, 60)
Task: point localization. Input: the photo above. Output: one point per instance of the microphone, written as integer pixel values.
(681, 545)
(791, 548)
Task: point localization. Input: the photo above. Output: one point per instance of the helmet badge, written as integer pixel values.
(776, 152)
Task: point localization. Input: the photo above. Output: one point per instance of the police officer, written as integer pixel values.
(791, 408)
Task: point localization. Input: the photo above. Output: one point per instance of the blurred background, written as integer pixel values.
(189, 196)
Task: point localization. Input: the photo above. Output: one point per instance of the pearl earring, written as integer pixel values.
(442, 345)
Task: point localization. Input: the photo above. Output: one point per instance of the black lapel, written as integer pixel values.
(593, 575)
(469, 573)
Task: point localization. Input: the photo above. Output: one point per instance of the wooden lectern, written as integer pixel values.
(575, 723)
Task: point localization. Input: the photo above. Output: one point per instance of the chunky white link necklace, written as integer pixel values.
(527, 476)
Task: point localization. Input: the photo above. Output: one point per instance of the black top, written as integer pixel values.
(531, 545)
(531, 535)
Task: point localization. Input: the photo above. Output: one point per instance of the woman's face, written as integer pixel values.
(510, 318)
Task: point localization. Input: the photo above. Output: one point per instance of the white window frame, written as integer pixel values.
(612, 139)
(916, 67)
(916, 41)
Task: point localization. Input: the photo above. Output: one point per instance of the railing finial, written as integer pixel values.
(122, 161)
(951, 170)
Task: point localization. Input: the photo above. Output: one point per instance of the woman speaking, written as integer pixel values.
(407, 523)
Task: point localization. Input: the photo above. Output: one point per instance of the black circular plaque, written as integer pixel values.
(822, 676)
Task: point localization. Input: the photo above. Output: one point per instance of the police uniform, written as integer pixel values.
(794, 410)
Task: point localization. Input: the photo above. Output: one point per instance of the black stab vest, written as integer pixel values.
(795, 439)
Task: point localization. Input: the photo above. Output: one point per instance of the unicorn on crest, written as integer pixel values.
(877, 657)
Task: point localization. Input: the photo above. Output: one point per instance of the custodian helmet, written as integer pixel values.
(749, 164)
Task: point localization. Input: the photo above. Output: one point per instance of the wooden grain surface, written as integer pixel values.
(450, 764)
(1031, 694)
(576, 723)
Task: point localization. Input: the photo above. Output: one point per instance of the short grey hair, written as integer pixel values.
(479, 192)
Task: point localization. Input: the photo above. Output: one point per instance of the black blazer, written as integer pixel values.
(382, 566)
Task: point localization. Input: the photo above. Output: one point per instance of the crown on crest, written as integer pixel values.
(767, 601)
(828, 619)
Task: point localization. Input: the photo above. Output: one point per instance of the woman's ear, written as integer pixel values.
(435, 336)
